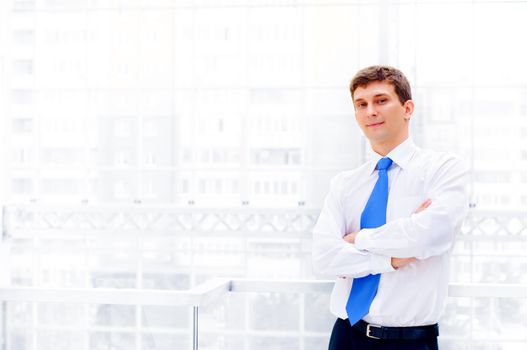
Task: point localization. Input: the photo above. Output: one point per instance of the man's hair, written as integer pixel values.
(383, 73)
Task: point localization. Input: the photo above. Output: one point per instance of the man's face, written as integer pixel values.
(380, 114)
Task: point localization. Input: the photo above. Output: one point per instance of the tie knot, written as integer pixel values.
(384, 163)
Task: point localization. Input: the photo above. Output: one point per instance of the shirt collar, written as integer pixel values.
(400, 155)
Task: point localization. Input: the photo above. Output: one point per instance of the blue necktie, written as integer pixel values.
(364, 289)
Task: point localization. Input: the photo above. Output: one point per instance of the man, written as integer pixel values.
(387, 228)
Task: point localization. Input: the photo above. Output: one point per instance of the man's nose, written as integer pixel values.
(371, 111)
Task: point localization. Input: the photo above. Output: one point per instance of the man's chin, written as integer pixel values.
(377, 137)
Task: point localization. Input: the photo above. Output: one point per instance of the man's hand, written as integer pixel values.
(423, 206)
(400, 262)
(350, 237)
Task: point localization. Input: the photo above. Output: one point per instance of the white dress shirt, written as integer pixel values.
(413, 295)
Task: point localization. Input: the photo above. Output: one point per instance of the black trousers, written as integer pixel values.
(344, 337)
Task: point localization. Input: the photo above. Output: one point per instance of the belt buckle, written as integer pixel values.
(368, 330)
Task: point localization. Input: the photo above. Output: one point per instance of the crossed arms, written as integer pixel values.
(427, 232)
(396, 262)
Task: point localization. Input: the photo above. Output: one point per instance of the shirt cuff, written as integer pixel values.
(381, 264)
(362, 240)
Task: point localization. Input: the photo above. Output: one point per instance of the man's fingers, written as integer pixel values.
(401, 262)
(350, 237)
(423, 205)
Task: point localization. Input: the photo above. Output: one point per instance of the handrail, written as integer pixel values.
(198, 296)
(456, 290)
(487, 290)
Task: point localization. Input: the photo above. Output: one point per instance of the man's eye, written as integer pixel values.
(361, 105)
(382, 100)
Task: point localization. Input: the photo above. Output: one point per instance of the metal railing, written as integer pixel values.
(44, 240)
(213, 290)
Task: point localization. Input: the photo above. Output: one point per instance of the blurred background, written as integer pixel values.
(156, 144)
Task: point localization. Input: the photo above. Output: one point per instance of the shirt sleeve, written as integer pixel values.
(331, 254)
(430, 232)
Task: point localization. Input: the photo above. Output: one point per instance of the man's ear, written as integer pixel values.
(408, 109)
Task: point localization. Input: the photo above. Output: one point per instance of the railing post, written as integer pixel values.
(3, 319)
(195, 328)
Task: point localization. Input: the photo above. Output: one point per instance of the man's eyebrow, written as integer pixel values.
(376, 95)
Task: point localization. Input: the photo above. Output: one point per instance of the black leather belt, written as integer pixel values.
(408, 333)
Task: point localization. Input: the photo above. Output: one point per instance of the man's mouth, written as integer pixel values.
(375, 125)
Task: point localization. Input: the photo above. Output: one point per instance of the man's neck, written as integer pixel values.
(383, 148)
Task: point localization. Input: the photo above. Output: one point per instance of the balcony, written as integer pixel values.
(145, 277)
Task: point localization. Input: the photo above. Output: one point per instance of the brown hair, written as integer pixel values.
(383, 73)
